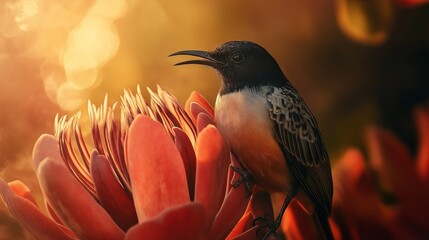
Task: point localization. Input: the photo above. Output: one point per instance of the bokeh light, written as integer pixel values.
(354, 62)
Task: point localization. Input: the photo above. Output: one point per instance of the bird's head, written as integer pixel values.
(241, 64)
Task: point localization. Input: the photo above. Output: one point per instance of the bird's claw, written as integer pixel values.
(267, 228)
(245, 178)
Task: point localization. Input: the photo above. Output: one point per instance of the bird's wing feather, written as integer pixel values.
(300, 139)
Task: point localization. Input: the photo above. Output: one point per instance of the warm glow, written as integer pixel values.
(340, 55)
(89, 46)
(18, 16)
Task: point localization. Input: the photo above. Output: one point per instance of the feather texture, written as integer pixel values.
(299, 137)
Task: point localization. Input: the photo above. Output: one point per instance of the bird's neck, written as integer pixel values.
(252, 82)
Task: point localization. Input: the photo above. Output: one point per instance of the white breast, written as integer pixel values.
(243, 119)
(236, 110)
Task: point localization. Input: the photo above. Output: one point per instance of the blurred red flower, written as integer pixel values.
(161, 172)
(383, 198)
(391, 172)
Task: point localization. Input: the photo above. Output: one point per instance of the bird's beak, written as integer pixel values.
(207, 58)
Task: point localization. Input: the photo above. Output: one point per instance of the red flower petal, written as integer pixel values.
(112, 195)
(196, 109)
(58, 220)
(39, 225)
(250, 235)
(187, 153)
(22, 190)
(198, 98)
(392, 162)
(181, 222)
(74, 205)
(156, 170)
(203, 120)
(354, 192)
(212, 165)
(232, 209)
(422, 118)
(298, 224)
(245, 223)
(46, 147)
(349, 172)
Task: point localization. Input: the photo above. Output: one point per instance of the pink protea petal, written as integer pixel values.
(203, 120)
(187, 153)
(212, 164)
(157, 174)
(58, 220)
(74, 205)
(186, 221)
(20, 189)
(39, 225)
(197, 109)
(112, 195)
(422, 119)
(198, 98)
(46, 147)
(393, 163)
(232, 209)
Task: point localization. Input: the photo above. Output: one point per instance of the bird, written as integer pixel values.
(270, 129)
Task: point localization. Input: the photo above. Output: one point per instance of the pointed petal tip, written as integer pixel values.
(45, 146)
(196, 97)
(26, 211)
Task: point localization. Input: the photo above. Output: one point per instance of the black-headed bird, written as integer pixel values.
(270, 129)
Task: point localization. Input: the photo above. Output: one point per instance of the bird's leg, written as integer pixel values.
(272, 226)
(244, 177)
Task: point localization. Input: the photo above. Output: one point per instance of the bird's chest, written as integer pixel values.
(243, 119)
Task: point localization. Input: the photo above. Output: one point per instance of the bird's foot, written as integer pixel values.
(245, 178)
(267, 229)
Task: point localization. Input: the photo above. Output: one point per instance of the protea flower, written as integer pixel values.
(160, 172)
(388, 197)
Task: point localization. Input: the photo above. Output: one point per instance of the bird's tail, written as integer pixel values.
(322, 223)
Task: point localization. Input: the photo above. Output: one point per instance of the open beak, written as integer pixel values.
(207, 58)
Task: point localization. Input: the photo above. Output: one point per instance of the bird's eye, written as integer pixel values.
(237, 57)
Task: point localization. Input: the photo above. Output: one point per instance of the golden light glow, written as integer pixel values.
(89, 46)
(73, 40)
(18, 16)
